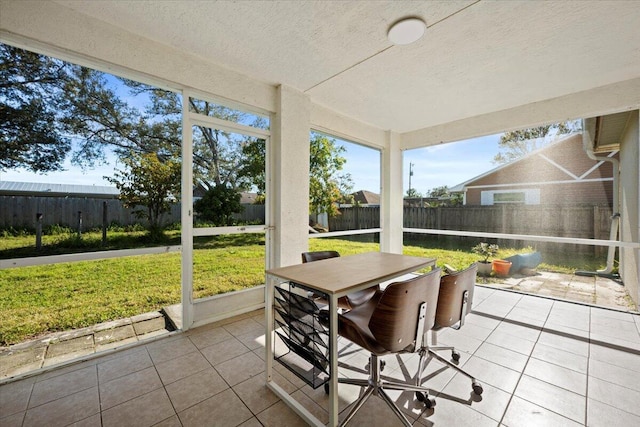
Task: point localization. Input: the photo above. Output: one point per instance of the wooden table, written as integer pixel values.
(334, 277)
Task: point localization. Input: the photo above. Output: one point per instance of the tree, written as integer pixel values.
(413, 193)
(252, 169)
(86, 109)
(456, 199)
(218, 205)
(326, 186)
(442, 191)
(30, 93)
(219, 157)
(100, 120)
(516, 144)
(150, 183)
(45, 103)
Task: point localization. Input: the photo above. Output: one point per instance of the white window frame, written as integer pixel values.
(337, 135)
(531, 196)
(203, 310)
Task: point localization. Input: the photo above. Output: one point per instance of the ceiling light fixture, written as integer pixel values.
(406, 31)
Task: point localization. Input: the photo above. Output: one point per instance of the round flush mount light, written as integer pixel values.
(406, 31)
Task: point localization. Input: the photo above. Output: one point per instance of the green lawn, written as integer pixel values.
(40, 299)
(22, 245)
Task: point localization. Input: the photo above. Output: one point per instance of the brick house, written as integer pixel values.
(556, 174)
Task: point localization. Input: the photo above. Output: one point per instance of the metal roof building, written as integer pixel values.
(43, 189)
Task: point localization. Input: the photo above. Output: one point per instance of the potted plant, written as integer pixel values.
(485, 250)
(501, 267)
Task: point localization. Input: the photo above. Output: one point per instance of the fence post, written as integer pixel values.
(79, 223)
(104, 223)
(596, 229)
(503, 226)
(38, 231)
(438, 220)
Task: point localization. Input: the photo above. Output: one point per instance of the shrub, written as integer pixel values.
(174, 226)
(218, 205)
(134, 228)
(56, 230)
(485, 250)
(16, 232)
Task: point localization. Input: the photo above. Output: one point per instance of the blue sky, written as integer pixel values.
(436, 166)
(449, 164)
(446, 164)
(71, 175)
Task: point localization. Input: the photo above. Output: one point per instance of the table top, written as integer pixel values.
(343, 275)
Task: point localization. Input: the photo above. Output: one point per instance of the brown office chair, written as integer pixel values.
(393, 321)
(454, 303)
(347, 302)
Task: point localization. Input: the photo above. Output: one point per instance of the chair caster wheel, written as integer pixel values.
(429, 402)
(326, 388)
(477, 388)
(455, 356)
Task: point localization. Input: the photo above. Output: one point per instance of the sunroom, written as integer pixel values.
(480, 68)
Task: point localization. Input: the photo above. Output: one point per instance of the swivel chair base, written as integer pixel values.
(375, 385)
(431, 351)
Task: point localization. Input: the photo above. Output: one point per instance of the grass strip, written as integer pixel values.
(42, 299)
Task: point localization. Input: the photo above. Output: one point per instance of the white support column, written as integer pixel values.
(630, 206)
(186, 196)
(290, 176)
(391, 206)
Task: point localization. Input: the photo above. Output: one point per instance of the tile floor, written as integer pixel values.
(542, 363)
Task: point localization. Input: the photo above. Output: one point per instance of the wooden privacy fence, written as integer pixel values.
(580, 221)
(251, 213)
(21, 211)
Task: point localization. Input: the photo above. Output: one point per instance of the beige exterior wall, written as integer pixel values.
(630, 205)
(592, 193)
(554, 172)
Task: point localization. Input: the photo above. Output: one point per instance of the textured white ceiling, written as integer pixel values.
(476, 57)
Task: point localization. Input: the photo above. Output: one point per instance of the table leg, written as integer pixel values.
(333, 358)
(268, 310)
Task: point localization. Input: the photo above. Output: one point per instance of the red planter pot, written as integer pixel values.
(501, 267)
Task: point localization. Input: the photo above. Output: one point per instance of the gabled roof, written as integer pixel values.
(12, 188)
(365, 197)
(460, 187)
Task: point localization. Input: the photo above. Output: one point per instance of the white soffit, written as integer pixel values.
(475, 57)
(610, 131)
